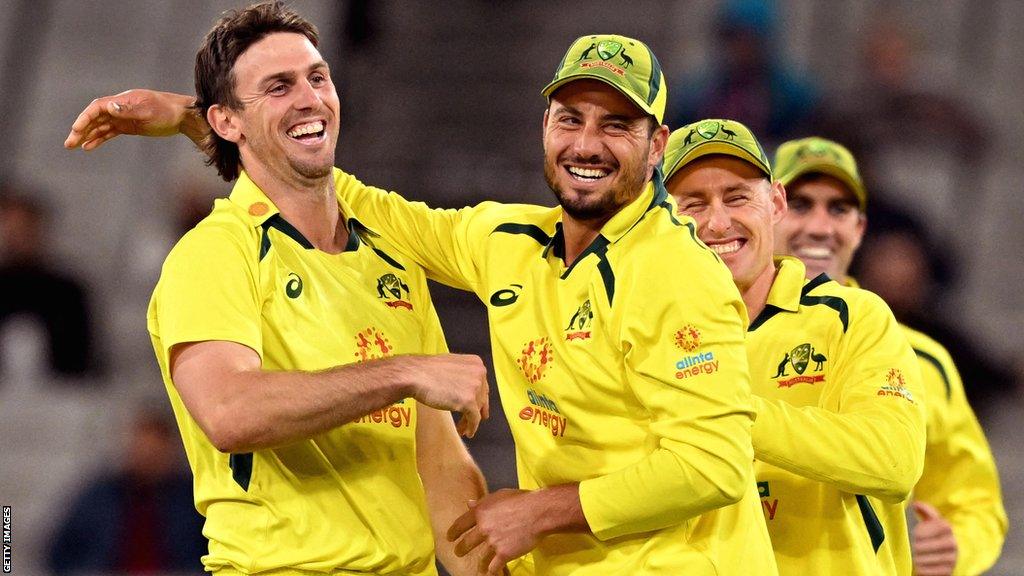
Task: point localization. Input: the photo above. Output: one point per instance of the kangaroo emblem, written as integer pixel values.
(782, 367)
(586, 53)
(689, 137)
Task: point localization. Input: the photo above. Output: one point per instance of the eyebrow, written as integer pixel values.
(289, 75)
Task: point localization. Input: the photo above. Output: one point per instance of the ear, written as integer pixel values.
(659, 140)
(225, 123)
(779, 204)
(862, 225)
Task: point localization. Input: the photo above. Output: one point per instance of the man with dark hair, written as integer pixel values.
(308, 424)
(839, 435)
(624, 381)
(961, 520)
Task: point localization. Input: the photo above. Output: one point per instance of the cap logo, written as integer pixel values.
(817, 149)
(607, 49)
(708, 129)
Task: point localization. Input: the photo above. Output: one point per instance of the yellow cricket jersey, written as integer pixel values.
(840, 430)
(348, 501)
(625, 372)
(960, 477)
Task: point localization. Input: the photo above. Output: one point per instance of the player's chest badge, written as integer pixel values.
(580, 323)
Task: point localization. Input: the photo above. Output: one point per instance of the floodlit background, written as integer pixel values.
(441, 101)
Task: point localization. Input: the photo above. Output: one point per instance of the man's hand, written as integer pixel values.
(509, 523)
(503, 522)
(456, 382)
(935, 549)
(136, 112)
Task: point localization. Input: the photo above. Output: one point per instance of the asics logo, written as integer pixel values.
(506, 296)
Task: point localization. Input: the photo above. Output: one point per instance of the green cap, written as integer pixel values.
(626, 64)
(815, 155)
(713, 136)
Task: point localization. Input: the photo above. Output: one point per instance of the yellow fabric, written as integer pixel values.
(594, 380)
(960, 477)
(840, 414)
(349, 499)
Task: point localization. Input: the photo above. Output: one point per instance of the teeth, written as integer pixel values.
(727, 248)
(311, 128)
(586, 172)
(814, 252)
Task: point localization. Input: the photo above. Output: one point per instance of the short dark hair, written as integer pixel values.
(233, 34)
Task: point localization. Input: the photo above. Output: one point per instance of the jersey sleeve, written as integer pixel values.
(208, 290)
(700, 418)
(960, 477)
(873, 443)
(446, 243)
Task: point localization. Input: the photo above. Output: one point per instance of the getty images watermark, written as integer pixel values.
(7, 539)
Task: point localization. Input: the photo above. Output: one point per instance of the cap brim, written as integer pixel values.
(640, 103)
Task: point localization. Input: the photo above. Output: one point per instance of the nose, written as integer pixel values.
(588, 144)
(719, 221)
(306, 96)
(819, 223)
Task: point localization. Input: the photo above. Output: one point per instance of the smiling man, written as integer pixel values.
(839, 435)
(621, 364)
(301, 417)
(961, 520)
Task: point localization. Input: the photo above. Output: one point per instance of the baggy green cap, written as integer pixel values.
(626, 64)
(713, 136)
(816, 155)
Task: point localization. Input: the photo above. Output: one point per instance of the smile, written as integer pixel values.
(310, 131)
(587, 174)
(727, 247)
(814, 252)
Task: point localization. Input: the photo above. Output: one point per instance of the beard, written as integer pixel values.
(599, 205)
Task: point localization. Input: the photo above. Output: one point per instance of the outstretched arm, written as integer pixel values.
(138, 112)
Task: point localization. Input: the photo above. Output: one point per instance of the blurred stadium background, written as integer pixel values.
(441, 102)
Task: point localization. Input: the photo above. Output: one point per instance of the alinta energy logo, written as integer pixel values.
(579, 324)
(543, 411)
(688, 338)
(372, 344)
(391, 289)
(535, 359)
(799, 358)
(606, 50)
(398, 415)
(896, 386)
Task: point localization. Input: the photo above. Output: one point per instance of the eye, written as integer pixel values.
(318, 79)
(799, 205)
(278, 89)
(736, 200)
(840, 209)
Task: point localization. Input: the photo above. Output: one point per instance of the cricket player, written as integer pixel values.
(961, 520)
(298, 346)
(621, 365)
(839, 435)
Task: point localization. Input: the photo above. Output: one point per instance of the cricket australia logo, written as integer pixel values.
(606, 50)
(579, 324)
(535, 359)
(688, 338)
(798, 358)
(816, 150)
(391, 289)
(372, 344)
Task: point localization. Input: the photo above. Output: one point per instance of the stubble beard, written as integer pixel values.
(599, 207)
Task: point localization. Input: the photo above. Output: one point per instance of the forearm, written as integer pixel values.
(876, 452)
(250, 410)
(665, 489)
(450, 480)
